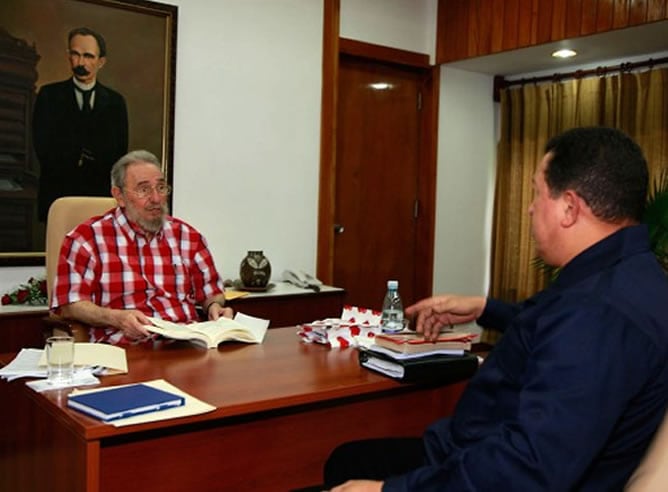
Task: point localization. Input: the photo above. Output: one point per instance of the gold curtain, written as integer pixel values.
(636, 103)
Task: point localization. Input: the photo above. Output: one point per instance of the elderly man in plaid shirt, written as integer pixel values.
(136, 261)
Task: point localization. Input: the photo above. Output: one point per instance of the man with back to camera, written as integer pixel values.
(136, 261)
(80, 127)
(570, 397)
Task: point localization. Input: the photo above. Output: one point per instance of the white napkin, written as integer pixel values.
(356, 326)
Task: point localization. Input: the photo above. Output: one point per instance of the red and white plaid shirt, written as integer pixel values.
(109, 261)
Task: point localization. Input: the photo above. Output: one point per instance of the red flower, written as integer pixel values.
(22, 295)
(34, 292)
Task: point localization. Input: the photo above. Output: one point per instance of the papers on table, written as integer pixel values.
(81, 377)
(25, 364)
(89, 359)
(401, 356)
(110, 359)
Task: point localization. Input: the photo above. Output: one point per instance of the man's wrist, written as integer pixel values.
(220, 303)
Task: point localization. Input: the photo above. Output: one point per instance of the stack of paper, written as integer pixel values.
(104, 358)
(24, 365)
(90, 359)
(420, 367)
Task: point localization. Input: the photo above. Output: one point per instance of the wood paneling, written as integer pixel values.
(498, 24)
(589, 14)
(638, 12)
(604, 15)
(656, 10)
(526, 31)
(511, 13)
(545, 22)
(23, 329)
(330, 70)
(480, 27)
(620, 13)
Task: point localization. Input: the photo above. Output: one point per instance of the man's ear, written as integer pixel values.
(117, 193)
(572, 204)
(101, 61)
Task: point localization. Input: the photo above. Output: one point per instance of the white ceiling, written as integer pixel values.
(608, 48)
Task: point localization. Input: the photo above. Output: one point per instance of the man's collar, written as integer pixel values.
(84, 87)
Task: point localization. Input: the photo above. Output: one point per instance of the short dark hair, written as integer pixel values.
(602, 165)
(84, 31)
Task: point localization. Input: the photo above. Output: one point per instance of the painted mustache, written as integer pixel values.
(80, 70)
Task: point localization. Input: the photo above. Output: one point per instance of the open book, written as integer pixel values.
(242, 328)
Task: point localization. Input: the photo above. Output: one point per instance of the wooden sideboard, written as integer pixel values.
(283, 305)
(21, 326)
(287, 305)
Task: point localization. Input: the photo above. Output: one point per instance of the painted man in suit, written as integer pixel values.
(80, 127)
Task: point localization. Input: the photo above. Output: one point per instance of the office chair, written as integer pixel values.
(64, 215)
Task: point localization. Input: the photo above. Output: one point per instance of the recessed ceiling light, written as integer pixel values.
(565, 53)
(381, 86)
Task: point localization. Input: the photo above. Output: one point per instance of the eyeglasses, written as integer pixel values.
(146, 190)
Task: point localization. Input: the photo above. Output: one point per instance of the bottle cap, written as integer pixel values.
(393, 284)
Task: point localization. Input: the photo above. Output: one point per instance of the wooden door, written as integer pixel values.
(376, 176)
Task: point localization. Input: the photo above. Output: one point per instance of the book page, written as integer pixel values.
(416, 355)
(243, 328)
(88, 354)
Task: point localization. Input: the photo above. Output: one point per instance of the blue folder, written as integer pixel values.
(124, 401)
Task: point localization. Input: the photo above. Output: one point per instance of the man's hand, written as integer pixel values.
(445, 310)
(217, 311)
(131, 321)
(359, 486)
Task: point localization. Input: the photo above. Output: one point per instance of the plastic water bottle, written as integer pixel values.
(392, 319)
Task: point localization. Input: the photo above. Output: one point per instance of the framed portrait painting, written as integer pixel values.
(55, 138)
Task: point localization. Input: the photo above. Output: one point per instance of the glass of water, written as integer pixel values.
(60, 359)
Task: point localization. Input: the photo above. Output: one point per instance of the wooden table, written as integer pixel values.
(282, 406)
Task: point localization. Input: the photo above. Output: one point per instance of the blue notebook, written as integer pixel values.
(124, 401)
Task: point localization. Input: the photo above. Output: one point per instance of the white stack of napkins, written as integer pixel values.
(356, 327)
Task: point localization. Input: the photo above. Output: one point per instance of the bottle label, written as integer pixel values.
(392, 320)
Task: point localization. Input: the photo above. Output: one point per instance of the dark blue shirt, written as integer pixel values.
(570, 397)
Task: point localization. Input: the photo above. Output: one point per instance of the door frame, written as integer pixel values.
(333, 47)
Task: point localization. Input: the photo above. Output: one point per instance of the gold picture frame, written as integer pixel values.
(140, 64)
